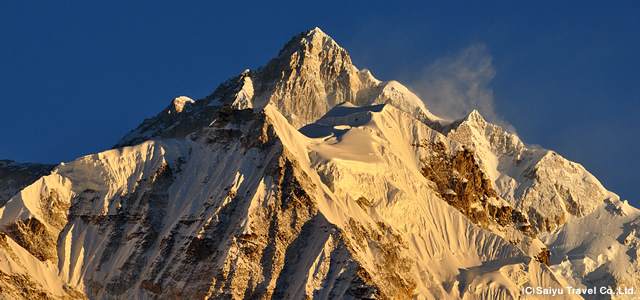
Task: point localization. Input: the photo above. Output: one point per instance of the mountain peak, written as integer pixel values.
(180, 102)
(318, 36)
(475, 118)
(311, 43)
(310, 75)
(474, 114)
(316, 31)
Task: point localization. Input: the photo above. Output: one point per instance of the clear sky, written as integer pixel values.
(76, 77)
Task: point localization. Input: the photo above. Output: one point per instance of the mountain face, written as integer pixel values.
(309, 178)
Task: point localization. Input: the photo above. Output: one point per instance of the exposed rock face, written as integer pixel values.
(544, 256)
(314, 68)
(20, 286)
(32, 235)
(461, 182)
(16, 176)
(392, 267)
(17, 285)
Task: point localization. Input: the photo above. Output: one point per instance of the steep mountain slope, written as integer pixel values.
(599, 249)
(309, 178)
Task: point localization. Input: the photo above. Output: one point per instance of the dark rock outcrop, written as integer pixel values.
(16, 176)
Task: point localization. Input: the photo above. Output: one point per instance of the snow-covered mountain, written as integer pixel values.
(309, 178)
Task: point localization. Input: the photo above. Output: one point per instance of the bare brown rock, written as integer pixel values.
(461, 182)
(33, 235)
(544, 256)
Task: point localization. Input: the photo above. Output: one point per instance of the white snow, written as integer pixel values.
(592, 250)
(23, 263)
(588, 248)
(180, 102)
(244, 97)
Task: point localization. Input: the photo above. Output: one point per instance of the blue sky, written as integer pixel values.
(76, 77)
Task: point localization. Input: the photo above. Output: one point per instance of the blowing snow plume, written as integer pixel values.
(455, 85)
